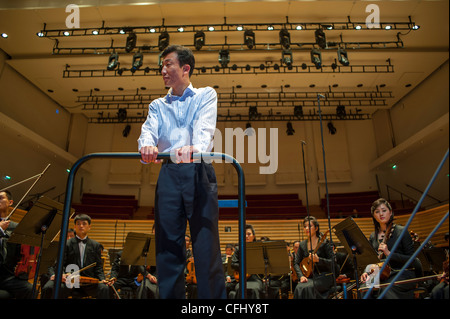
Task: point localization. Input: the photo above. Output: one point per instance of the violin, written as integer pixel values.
(190, 277)
(26, 267)
(373, 269)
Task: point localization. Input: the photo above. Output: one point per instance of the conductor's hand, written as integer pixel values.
(184, 154)
(149, 154)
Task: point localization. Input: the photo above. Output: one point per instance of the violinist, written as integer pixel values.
(81, 252)
(382, 240)
(440, 291)
(142, 283)
(10, 254)
(315, 251)
(230, 282)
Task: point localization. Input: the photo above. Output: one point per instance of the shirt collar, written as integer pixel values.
(189, 91)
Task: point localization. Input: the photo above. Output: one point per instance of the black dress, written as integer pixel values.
(322, 279)
(399, 257)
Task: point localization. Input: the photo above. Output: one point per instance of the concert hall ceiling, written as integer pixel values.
(255, 53)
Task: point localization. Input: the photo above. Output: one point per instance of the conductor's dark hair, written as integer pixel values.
(185, 56)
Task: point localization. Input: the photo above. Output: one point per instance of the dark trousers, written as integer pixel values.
(188, 191)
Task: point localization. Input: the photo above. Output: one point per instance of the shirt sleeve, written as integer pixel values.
(205, 121)
(149, 130)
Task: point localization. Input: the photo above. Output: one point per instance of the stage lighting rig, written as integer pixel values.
(343, 57)
(321, 39)
(131, 42)
(249, 38)
(199, 40)
(285, 38)
(316, 58)
(113, 61)
(224, 57)
(163, 40)
(137, 62)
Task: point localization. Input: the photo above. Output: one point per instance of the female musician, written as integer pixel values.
(319, 283)
(382, 239)
(255, 285)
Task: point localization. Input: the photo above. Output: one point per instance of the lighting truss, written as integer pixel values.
(233, 70)
(224, 27)
(311, 116)
(232, 47)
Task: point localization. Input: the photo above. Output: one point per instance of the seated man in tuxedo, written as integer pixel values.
(79, 253)
(10, 284)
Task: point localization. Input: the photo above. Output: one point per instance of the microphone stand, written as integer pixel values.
(333, 261)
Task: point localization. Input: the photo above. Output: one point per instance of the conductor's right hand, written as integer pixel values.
(149, 154)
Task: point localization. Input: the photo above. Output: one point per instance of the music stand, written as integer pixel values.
(356, 244)
(44, 218)
(139, 249)
(268, 257)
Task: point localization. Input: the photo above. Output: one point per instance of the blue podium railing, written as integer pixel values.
(205, 156)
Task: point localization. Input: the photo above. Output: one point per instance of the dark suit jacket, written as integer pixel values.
(93, 253)
(9, 252)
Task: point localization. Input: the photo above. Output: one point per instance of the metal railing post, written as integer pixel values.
(206, 156)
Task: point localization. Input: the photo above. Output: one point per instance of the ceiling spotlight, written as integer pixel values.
(388, 27)
(416, 27)
(298, 111)
(113, 61)
(137, 62)
(66, 33)
(180, 29)
(290, 130)
(343, 57)
(249, 39)
(126, 130)
(224, 57)
(131, 42)
(340, 111)
(4, 35)
(285, 38)
(252, 113)
(199, 40)
(316, 58)
(299, 27)
(239, 28)
(286, 57)
(211, 29)
(95, 32)
(320, 38)
(331, 128)
(163, 40)
(270, 27)
(40, 34)
(358, 27)
(122, 115)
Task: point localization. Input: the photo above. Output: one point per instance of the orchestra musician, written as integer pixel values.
(230, 281)
(11, 285)
(318, 250)
(182, 123)
(255, 284)
(81, 252)
(440, 291)
(382, 239)
(142, 282)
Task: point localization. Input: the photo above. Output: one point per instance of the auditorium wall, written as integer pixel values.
(357, 156)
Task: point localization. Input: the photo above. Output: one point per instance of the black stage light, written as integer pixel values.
(331, 128)
(252, 113)
(290, 130)
(113, 61)
(137, 62)
(122, 115)
(285, 38)
(163, 40)
(298, 111)
(286, 57)
(224, 57)
(320, 38)
(126, 130)
(249, 39)
(340, 111)
(316, 58)
(199, 40)
(131, 42)
(343, 57)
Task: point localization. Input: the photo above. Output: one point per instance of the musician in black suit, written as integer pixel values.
(321, 280)
(81, 252)
(133, 277)
(10, 285)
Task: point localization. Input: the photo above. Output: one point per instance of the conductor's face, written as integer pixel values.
(173, 74)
